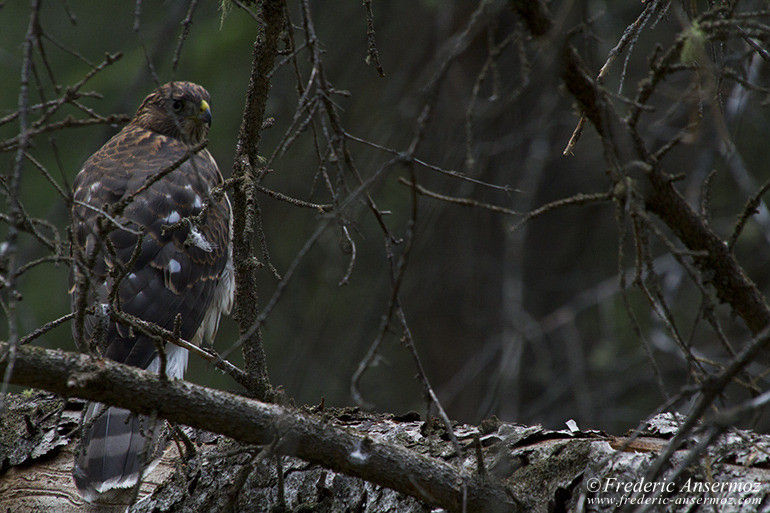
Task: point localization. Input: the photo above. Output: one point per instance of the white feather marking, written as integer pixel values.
(92, 189)
(198, 203)
(173, 217)
(120, 482)
(197, 239)
(176, 362)
(174, 266)
(222, 302)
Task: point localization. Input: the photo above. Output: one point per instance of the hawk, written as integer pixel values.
(153, 241)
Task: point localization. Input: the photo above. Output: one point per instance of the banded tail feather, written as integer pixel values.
(120, 447)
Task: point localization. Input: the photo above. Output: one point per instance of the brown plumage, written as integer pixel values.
(184, 264)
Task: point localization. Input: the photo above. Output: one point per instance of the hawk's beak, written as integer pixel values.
(205, 113)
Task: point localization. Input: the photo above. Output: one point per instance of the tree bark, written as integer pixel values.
(309, 437)
(568, 470)
(245, 209)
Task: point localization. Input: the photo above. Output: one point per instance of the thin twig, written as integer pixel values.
(465, 202)
(577, 199)
(45, 328)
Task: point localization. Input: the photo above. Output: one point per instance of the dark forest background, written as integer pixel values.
(527, 324)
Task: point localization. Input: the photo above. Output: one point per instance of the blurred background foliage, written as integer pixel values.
(528, 324)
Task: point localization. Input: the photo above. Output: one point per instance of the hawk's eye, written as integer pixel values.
(177, 105)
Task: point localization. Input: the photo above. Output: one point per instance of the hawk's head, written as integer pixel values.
(177, 109)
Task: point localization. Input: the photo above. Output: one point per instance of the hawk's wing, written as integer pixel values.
(173, 273)
(185, 271)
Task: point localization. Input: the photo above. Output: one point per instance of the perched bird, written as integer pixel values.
(153, 241)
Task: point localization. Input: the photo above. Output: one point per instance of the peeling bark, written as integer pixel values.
(313, 438)
(547, 470)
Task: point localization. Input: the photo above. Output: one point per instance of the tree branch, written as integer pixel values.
(245, 209)
(308, 437)
(711, 253)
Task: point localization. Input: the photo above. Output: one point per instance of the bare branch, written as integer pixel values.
(245, 209)
(308, 437)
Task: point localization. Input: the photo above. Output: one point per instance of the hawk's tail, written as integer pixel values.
(118, 448)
